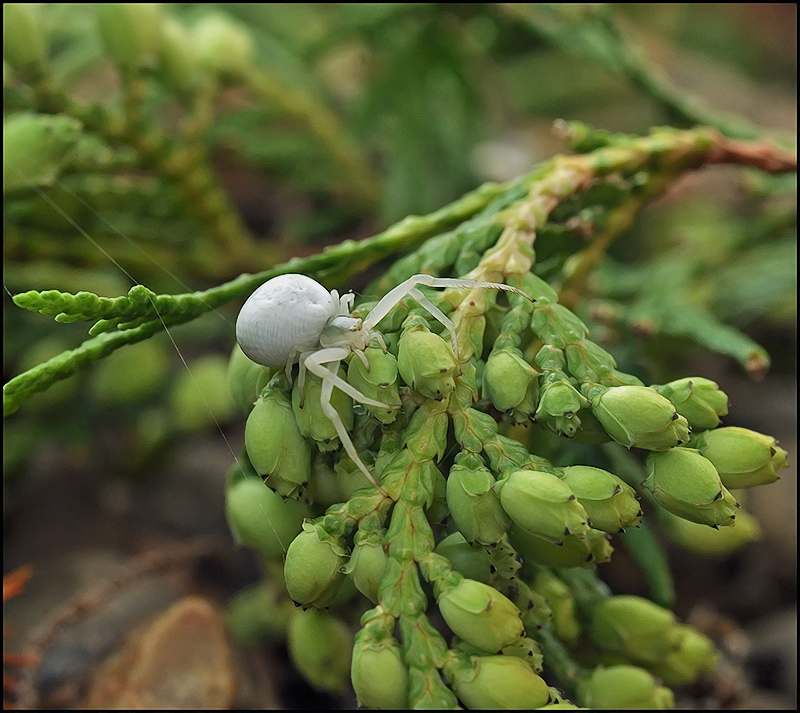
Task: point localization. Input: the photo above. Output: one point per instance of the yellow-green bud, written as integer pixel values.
(480, 615)
(638, 416)
(426, 362)
(634, 627)
(624, 688)
(700, 401)
(24, 36)
(743, 458)
(498, 683)
(559, 403)
(275, 446)
(246, 379)
(349, 477)
(131, 32)
(470, 560)
(313, 567)
(612, 504)
(694, 655)
(320, 646)
(687, 484)
(542, 504)
(573, 551)
(178, 57)
(311, 419)
(507, 382)
(200, 398)
(379, 675)
(367, 563)
(223, 46)
(379, 383)
(473, 505)
(561, 603)
(259, 518)
(36, 147)
(708, 541)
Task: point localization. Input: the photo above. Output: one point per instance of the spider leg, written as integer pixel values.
(437, 314)
(314, 363)
(395, 295)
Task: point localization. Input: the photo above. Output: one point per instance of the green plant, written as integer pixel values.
(474, 569)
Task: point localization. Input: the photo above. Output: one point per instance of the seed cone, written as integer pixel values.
(561, 603)
(311, 420)
(469, 560)
(510, 383)
(638, 416)
(708, 541)
(473, 505)
(743, 458)
(131, 32)
(573, 551)
(559, 403)
(700, 401)
(498, 683)
(694, 654)
(608, 500)
(223, 46)
(313, 567)
(246, 379)
(426, 362)
(624, 688)
(367, 563)
(542, 504)
(319, 646)
(379, 675)
(687, 484)
(379, 383)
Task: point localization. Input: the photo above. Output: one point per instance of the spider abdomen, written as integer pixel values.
(284, 316)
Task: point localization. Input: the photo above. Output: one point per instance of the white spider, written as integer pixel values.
(293, 318)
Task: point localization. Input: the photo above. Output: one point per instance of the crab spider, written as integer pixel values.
(292, 318)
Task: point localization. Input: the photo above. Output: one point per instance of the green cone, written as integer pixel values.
(694, 655)
(700, 401)
(259, 518)
(573, 551)
(131, 32)
(743, 458)
(469, 560)
(426, 362)
(379, 383)
(611, 503)
(320, 647)
(498, 683)
(624, 688)
(638, 416)
(24, 36)
(380, 678)
(708, 541)
(559, 403)
(275, 446)
(473, 505)
(313, 567)
(223, 46)
(687, 484)
(246, 379)
(542, 504)
(561, 603)
(367, 563)
(480, 615)
(510, 383)
(178, 65)
(311, 420)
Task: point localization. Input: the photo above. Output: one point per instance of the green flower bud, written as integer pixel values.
(470, 560)
(527, 650)
(498, 683)
(708, 541)
(223, 46)
(634, 627)
(36, 148)
(694, 655)
(379, 383)
(259, 518)
(323, 488)
(480, 615)
(573, 551)
(178, 64)
(320, 647)
(24, 37)
(426, 363)
(743, 458)
(246, 379)
(131, 32)
(275, 446)
(612, 504)
(367, 563)
(311, 420)
(260, 611)
(624, 688)
(507, 380)
(559, 403)
(474, 507)
(200, 398)
(638, 416)
(313, 567)
(542, 504)
(700, 401)
(687, 484)
(380, 677)
(561, 603)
